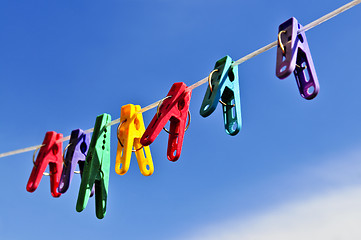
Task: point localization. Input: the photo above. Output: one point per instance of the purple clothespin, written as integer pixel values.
(76, 154)
(293, 55)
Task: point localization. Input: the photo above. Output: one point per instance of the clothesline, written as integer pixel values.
(204, 80)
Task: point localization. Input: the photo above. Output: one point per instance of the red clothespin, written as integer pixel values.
(50, 154)
(174, 108)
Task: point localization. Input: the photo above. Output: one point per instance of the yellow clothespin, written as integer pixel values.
(130, 131)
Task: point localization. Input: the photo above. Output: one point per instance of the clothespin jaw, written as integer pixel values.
(232, 99)
(96, 168)
(130, 131)
(224, 88)
(50, 154)
(76, 153)
(174, 108)
(293, 55)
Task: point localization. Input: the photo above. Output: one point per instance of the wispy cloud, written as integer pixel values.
(329, 214)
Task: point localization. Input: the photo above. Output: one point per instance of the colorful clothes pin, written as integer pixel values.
(50, 154)
(130, 130)
(174, 108)
(96, 168)
(77, 150)
(293, 55)
(223, 87)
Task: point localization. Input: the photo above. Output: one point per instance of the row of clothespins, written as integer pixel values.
(93, 155)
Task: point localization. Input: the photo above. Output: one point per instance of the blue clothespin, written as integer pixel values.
(293, 55)
(223, 86)
(77, 150)
(96, 168)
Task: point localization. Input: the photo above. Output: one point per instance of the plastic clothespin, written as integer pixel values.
(130, 130)
(76, 154)
(50, 154)
(223, 87)
(96, 168)
(174, 108)
(293, 55)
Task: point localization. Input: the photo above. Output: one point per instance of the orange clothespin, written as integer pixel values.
(50, 154)
(130, 130)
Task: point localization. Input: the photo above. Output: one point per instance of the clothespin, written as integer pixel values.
(77, 150)
(96, 168)
(223, 87)
(174, 108)
(130, 130)
(50, 154)
(293, 55)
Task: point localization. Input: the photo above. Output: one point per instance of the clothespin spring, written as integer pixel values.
(164, 128)
(280, 41)
(77, 172)
(120, 142)
(34, 154)
(210, 88)
(283, 49)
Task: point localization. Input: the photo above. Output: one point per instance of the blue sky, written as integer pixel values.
(63, 63)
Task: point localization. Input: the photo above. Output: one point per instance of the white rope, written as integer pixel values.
(330, 15)
(204, 80)
(304, 29)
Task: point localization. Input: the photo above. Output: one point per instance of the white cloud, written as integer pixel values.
(331, 216)
(343, 168)
(326, 215)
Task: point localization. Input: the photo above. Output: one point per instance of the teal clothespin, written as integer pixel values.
(96, 168)
(223, 86)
